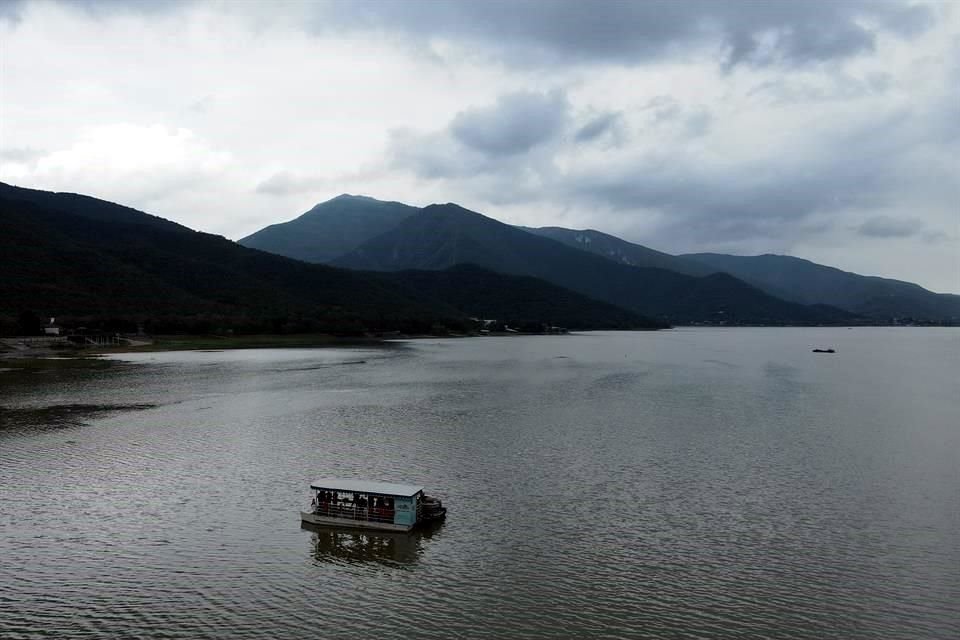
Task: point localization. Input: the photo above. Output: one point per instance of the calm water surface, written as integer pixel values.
(690, 483)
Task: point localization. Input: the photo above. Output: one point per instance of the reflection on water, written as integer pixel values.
(60, 416)
(334, 544)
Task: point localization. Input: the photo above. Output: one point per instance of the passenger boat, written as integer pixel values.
(361, 504)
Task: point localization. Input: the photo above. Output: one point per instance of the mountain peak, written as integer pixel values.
(350, 196)
(445, 205)
(453, 209)
(355, 202)
(330, 228)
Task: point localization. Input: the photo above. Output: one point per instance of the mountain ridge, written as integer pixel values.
(440, 236)
(808, 282)
(329, 228)
(906, 300)
(619, 250)
(117, 266)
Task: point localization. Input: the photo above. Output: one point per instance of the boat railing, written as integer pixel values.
(353, 512)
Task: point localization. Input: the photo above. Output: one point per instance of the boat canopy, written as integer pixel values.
(365, 486)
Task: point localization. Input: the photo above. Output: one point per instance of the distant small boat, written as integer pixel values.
(824, 351)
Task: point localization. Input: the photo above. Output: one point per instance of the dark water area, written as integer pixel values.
(686, 483)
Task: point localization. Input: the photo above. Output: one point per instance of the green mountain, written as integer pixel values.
(330, 229)
(628, 253)
(105, 265)
(518, 301)
(806, 282)
(346, 230)
(440, 236)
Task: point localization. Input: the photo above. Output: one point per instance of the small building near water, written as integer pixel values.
(51, 328)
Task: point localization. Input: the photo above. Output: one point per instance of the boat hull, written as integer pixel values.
(347, 523)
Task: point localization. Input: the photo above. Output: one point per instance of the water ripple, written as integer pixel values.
(631, 488)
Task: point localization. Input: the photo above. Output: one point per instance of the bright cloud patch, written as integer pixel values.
(125, 161)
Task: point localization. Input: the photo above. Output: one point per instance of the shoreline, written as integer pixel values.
(60, 352)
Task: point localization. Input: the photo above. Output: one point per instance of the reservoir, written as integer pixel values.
(698, 482)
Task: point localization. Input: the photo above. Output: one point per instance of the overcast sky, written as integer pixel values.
(828, 130)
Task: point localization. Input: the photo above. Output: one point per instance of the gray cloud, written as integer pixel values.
(435, 156)
(846, 132)
(514, 124)
(909, 21)
(936, 237)
(886, 227)
(698, 122)
(875, 165)
(10, 10)
(537, 32)
(545, 31)
(100, 8)
(740, 201)
(853, 168)
(690, 121)
(285, 183)
(21, 154)
(598, 126)
(796, 38)
(498, 179)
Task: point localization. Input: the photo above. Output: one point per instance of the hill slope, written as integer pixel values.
(809, 283)
(337, 227)
(69, 255)
(519, 301)
(440, 236)
(628, 253)
(330, 229)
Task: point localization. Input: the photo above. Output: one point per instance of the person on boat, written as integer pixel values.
(389, 512)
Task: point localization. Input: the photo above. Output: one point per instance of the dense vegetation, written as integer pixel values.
(336, 232)
(104, 266)
(440, 236)
(628, 253)
(517, 301)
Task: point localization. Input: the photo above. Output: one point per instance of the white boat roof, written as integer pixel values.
(366, 486)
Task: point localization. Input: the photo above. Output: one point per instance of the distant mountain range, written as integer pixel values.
(806, 282)
(106, 265)
(374, 266)
(679, 289)
(440, 236)
(628, 253)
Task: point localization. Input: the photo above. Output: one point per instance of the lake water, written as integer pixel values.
(686, 483)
